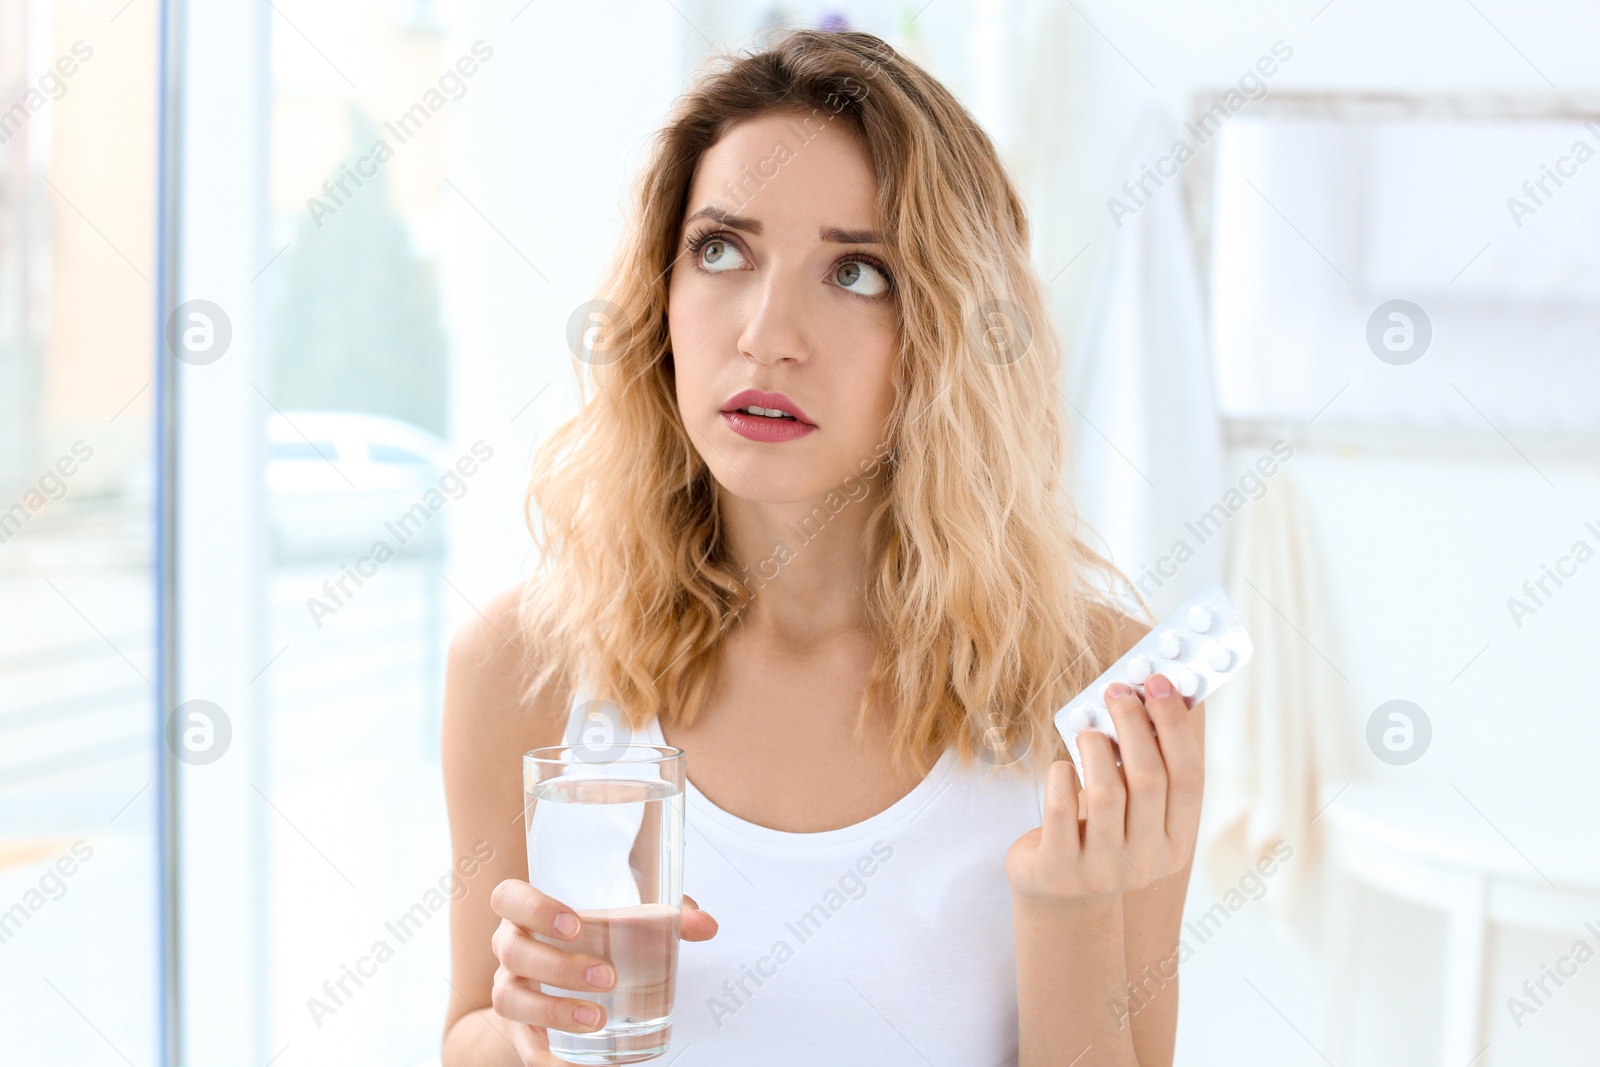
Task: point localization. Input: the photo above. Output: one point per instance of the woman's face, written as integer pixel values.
(780, 286)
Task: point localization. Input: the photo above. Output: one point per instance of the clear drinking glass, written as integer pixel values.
(605, 838)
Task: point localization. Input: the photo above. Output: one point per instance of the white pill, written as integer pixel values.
(1200, 619)
(1139, 669)
(1080, 718)
(1188, 682)
(1220, 657)
(1103, 723)
(1171, 644)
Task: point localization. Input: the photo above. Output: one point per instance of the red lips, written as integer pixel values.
(792, 423)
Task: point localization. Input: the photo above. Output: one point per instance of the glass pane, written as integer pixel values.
(361, 483)
(78, 874)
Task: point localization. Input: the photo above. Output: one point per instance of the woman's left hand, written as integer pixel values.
(1131, 825)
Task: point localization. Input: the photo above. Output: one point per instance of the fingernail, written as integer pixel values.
(599, 975)
(1117, 690)
(588, 1015)
(566, 924)
(1158, 686)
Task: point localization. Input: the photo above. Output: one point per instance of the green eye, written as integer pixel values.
(717, 254)
(872, 281)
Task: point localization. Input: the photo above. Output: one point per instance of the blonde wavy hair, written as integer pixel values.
(989, 610)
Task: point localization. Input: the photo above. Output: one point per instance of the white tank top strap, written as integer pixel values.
(592, 721)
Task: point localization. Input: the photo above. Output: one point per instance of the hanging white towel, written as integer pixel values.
(1276, 749)
(1146, 437)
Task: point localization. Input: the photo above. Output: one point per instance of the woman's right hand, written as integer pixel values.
(525, 962)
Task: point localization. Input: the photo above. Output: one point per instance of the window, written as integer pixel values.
(79, 788)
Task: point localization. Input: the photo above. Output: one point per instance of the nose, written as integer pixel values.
(776, 329)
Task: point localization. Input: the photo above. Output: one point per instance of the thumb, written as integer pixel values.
(695, 925)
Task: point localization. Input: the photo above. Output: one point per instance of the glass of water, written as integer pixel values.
(605, 838)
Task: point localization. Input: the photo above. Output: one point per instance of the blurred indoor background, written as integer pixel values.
(1329, 278)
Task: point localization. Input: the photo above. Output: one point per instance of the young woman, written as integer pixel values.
(810, 528)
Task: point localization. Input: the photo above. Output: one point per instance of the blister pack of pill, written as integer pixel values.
(1199, 646)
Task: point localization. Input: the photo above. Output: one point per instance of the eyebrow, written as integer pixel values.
(826, 233)
(849, 237)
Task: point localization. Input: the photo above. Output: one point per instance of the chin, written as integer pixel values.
(767, 490)
(769, 480)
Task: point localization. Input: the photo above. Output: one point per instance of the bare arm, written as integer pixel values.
(498, 1016)
(1070, 968)
(1097, 970)
(487, 724)
(1152, 921)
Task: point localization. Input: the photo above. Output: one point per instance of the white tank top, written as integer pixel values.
(888, 942)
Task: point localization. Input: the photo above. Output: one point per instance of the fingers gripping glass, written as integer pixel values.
(605, 838)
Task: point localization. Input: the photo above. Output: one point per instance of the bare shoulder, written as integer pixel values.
(1113, 631)
(1130, 631)
(489, 720)
(490, 645)
(491, 664)
(492, 635)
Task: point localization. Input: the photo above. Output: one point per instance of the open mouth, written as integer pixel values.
(763, 415)
(768, 413)
(759, 405)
